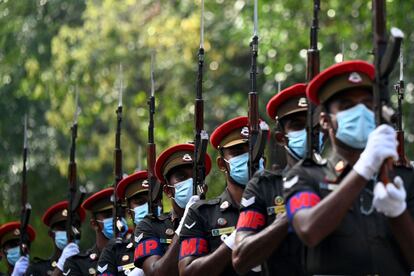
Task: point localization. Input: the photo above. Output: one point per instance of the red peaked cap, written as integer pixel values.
(59, 212)
(132, 185)
(288, 101)
(99, 201)
(339, 77)
(11, 231)
(174, 156)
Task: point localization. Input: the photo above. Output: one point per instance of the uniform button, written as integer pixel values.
(129, 245)
(169, 232)
(93, 256)
(221, 221)
(125, 258)
(54, 264)
(92, 271)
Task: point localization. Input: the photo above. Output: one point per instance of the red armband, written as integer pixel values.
(193, 247)
(250, 220)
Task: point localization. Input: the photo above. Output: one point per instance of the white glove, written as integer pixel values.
(230, 241)
(21, 266)
(192, 200)
(70, 250)
(390, 199)
(136, 272)
(382, 143)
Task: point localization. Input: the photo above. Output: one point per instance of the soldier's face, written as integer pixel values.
(177, 175)
(230, 152)
(294, 122)
(138, 200)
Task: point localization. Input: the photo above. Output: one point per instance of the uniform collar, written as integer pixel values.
(226, 201)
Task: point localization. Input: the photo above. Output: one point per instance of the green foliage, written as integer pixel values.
(50, 48)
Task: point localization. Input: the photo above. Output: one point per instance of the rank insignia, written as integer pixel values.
(225, 205)
(125, 258)
(222, 231)
(169, 232)
(221, 221)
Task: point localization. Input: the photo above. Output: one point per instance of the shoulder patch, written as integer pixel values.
(190, 226)
(101, 269)
(287, 184)
(247, 202)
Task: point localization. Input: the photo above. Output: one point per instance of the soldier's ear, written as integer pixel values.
(168, 191)
(94, 224)
(51, 234)
(325, 121)
(221, 164)
(281, 138)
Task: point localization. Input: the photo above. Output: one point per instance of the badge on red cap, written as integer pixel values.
(354, 77)
(302, 102)
(187, 158)
(244, 132)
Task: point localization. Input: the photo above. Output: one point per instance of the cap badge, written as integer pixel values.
(187, 158)
(16, 232)
(354, 77)
(145, 183)
(244, 132)
(65, 212)
(303, 102)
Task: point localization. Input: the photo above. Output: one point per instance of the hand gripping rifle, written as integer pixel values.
(258, 131)
(117, 211)
(154, 189)
(312, 133)
(399, 89)
(26, 208)
(385, 57)
(75, 199)
(200, 136)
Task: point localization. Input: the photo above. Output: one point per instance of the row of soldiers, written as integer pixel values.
(334, 217)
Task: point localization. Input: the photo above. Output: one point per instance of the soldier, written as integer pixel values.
(117, 258)
(55, 219)
(74, 263)
(262, 229)
(210, 222)
(10, 247)
(348, 225)
(157, 247)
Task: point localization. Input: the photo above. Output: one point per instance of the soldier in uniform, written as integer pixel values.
(74, 263)
(349, 221)
(10, 246)
(207, 237)
(117, 258)
(262, 229)
(55, 219)
(157, 246)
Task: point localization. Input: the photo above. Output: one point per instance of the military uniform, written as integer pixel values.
(41, 267)
(83, 263)
(152, 237)
(262, 202)
(206, 225)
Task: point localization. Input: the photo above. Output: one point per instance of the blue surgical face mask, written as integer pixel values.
(239, 168)
(13, 254)
(354, 126)
(140, 212)
(108, 229)
(61, 239)
(183, 192)
(297, 142)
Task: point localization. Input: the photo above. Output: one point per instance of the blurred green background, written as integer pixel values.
(47, 48)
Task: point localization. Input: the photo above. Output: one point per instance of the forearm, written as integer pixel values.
(167, 264)
(314, 224)
(403, 229)
(254, 249)
(209, 265)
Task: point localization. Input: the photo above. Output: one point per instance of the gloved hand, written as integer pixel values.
(390, 199)
(136, 272)
(192, 200)
(70, 250)
(230, 241)
(382, 143)
(21, 266)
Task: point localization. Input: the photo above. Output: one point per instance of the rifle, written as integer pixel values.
(312, 133)
(399, 89)
(117, 211)
(26, 208)
(385, 57)
(258, 131)
(153, 197)
(200, 135)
